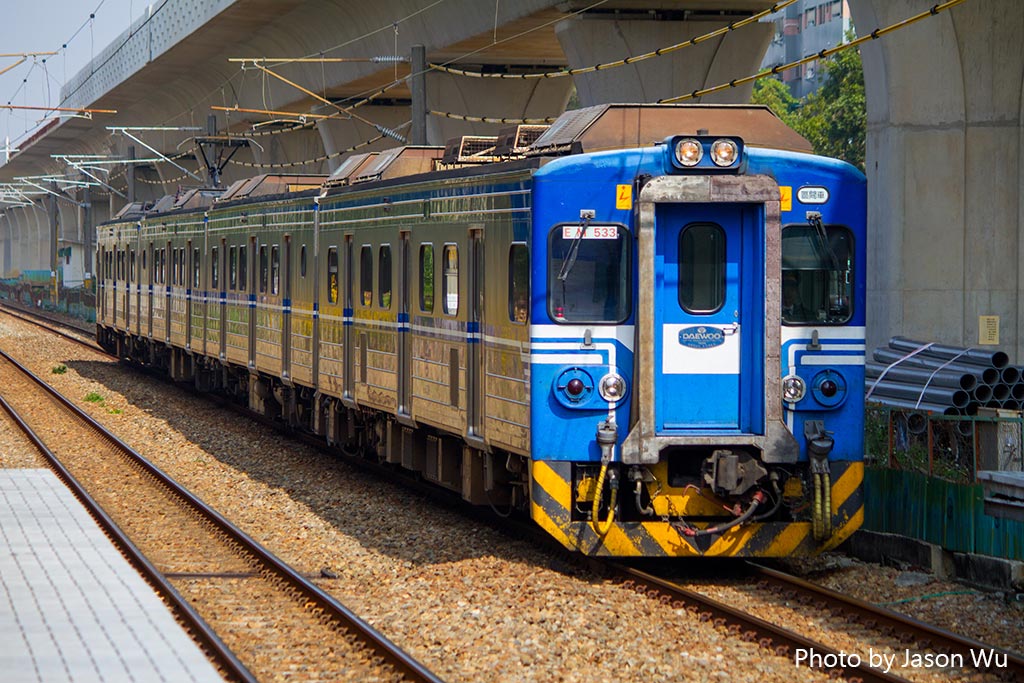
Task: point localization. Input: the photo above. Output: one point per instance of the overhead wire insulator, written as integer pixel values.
(391, 134)
(389, 59)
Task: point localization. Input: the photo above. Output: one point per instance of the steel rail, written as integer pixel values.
(781, 640)
(224, 659)
(37, 320)
(932, 636)
(316, 599)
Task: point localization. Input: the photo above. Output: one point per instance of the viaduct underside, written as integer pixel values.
(945, 115)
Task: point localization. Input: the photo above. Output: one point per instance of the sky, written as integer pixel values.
(46, 26)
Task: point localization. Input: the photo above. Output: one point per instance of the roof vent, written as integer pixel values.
(400, 162)
(349, 168)
(271, 183)
(514, 141)
(469, 149)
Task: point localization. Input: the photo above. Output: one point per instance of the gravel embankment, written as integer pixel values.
(467, 601)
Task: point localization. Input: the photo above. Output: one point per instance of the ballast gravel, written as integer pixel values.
(465, 600)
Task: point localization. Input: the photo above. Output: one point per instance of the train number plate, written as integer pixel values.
(593, 232)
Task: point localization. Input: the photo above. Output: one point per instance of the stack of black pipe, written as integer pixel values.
(948, 380)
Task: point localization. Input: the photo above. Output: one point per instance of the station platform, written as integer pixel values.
(71, 607)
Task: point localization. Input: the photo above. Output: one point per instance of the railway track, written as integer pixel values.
(242, 594)
(891, 626)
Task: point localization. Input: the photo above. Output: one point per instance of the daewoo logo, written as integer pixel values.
(701, 337)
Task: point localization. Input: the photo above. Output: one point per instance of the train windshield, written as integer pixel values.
(817, 275)
(588, 274)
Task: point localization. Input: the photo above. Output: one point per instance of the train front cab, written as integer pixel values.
(706, 464)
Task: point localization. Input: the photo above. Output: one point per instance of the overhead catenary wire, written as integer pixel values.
(626, 60)
(874, 35)
(321, 159)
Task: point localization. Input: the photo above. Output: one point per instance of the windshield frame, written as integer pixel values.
(625, 291)
(851, 276)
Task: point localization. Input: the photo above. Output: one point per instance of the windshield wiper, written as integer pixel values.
(814, 219)
(586, 215)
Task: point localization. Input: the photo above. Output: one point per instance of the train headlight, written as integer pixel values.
(793, 389)
(612, 387)
(689, 152)
(724, 152)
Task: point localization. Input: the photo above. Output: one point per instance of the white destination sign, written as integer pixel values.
(812, 194)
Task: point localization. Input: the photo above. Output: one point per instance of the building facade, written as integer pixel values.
(802, 29)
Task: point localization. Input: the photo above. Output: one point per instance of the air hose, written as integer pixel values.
(758, 498)
(822, 514)
(602, 528)
(816, 511)
(826, 513)
(606, 436)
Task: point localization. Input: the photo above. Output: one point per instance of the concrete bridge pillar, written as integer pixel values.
(588, 39)
(944, 152)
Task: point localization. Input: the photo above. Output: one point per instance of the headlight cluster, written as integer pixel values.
(721, 152)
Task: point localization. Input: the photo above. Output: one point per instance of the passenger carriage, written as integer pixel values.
(645, 333)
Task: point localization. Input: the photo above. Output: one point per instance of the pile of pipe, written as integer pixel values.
(947, 380)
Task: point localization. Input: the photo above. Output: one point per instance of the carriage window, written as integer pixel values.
(588, 274)
(232, 268)
(302, 261)
(264, 268)
(243, 269)
(196, 265)
(384, 276)
(174, 266)
(701, 268)
(215, 268)
(451, 279)
(332, 275)
(131, 266)
(275, 270)
(427, 278)
(144, 258)
(817, 275)
(518, 283)
(366, 275)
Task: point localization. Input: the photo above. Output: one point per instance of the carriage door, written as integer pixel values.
(475, 337)
(709, 318)
(151, 278)
(126, 273)
(348, 374)
(404, 336)
(135, 268)
(254, 278)
(286, 309)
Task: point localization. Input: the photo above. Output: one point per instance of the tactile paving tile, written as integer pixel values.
(71, 607)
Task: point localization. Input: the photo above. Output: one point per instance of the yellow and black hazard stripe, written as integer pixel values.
(552, 498)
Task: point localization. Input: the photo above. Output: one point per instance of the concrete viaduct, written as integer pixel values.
(945, 117)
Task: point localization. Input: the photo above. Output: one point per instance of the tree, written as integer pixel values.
(833, 119)
(775, 95)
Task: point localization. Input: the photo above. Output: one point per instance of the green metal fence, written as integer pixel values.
(921, 479)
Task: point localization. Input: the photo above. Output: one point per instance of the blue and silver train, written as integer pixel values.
(641, 326)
